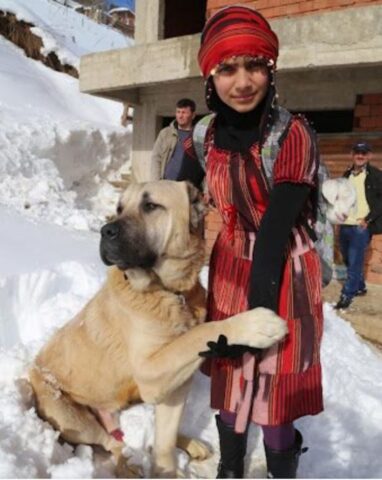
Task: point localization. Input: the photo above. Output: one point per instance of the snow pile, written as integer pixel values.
(64, 31)
(58, 147)
(33, 283)
(58, 170)
(344, 439)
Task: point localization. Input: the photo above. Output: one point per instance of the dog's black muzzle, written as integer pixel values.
(122, 244)
(110, 231)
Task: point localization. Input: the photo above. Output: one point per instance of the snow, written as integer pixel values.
(44, 286)
(120, 10)
(64, 31)
(58, 146)
(57, 149)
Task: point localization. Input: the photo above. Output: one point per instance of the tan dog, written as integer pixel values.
(138, 339)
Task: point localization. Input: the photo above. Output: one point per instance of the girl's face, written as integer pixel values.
(241, 82)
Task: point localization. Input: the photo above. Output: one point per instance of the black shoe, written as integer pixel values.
(362, 292)
(232, 451)
(284, 463)
(343, 302)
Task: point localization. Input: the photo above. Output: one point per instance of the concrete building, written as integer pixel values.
(330, 68)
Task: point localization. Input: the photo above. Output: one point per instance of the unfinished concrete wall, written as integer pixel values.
(148, 21)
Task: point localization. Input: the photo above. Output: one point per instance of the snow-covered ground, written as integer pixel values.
(57, 148)
(47, 273)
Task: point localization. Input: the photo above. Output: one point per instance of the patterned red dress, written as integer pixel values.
(287, 378)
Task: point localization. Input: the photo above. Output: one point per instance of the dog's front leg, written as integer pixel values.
(162, 372)
(168, 415)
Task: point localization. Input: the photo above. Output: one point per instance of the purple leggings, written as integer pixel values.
(280, 437)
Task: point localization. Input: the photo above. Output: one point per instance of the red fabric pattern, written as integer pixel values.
(235, 31)
(288, 376)
(296, 162)
(231, 212)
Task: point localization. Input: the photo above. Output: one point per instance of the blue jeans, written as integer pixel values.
(353, 243)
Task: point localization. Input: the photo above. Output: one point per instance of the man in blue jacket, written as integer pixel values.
(366, 220)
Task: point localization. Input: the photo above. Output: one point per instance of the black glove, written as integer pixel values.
(222, 349)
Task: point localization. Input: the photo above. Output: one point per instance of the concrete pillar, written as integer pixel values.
(146, 123)
(149, 21)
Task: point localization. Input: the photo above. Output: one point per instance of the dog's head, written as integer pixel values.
(340, 196)
(154, 220)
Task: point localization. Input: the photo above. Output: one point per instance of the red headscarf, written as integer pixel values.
(235, 31)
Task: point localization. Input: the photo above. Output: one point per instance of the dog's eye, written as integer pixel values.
(150, 206)
(119, 209)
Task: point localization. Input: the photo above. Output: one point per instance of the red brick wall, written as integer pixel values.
(282, 8)
(368, 113)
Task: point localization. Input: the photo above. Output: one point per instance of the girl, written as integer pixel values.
(264, 254)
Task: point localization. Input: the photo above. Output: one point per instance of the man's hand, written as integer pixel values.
(362, 223)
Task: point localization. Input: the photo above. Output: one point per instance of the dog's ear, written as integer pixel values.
(197, 207)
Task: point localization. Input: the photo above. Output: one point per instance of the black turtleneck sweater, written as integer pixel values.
(235, 131)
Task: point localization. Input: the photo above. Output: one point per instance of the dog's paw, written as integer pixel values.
(196, 449)
(266, 328)
(126, 470)
(258, 328)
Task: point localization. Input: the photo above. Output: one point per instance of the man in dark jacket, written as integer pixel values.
(356, 233)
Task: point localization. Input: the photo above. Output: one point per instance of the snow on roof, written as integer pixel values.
(120, 10)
